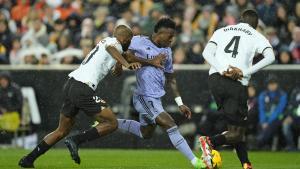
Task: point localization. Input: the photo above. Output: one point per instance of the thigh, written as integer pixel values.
(65, 123)
(149, 108)
(86, 99)
(217, 89)
(165, 120)
(235, 105)
(68, 108)
(105, 115)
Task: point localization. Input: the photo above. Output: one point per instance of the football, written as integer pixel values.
(216, 159)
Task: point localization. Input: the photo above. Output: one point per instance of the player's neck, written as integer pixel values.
(154, 41)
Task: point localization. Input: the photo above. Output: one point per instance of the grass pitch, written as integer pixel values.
(143, 159)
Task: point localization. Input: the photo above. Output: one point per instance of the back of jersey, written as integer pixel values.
(97, 64)
(237, 46)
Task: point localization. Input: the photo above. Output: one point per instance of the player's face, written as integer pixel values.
(166, 36)
(126, 42)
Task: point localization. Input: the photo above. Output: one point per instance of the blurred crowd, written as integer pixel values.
(64, 31)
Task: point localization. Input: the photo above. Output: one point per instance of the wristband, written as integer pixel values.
(178, 100)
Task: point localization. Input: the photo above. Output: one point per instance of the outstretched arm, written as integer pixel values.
(157, 61)
(116, 55)
(172, 84)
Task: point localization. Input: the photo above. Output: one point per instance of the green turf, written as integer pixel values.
(143, 159)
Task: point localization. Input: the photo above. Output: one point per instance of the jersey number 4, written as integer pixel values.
(235, 42)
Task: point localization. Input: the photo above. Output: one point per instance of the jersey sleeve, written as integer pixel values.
(135, 43)
(262, 44)
(113, 42)
(214, 37)
(169, 63)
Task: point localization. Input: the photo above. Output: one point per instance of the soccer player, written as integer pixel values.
(230, 52)
(150, 89)
(79, 94)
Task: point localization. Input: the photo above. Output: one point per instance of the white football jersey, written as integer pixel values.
(97, 64)
(236, 46)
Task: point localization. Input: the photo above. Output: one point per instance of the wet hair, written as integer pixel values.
(164, 22)
(251, 17)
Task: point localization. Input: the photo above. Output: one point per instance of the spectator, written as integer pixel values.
(5, 42)
(171, 7)
(272, 36)
(44, 59)
(66, 9)
(206, 21)
(86, 45)
(267, 12)
(136, 29)
(292, 121)
(100, 18)
(20, 10)
(119, 6)
(63, 43)
(295, 45)
(87, 31)
(282, 24)
(126, 19)
(155, 13)
(271, 104)
(285, 57)
(38, 30)
(242, 5)
(252, 115)
(179, 56)
(14, 55)
(194, 55)
(297, 12)
(11, 98)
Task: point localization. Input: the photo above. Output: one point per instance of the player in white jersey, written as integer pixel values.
(230, 52)
(79, 94)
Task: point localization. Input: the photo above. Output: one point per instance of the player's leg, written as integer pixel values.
(137, 128)
(145, 127)
(165, 121)
(107, 124)
(64, 127)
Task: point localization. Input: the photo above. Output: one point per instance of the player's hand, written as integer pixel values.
(186, 111)
(159, 60)
(117, 70)
(233, 73)
(134, 66)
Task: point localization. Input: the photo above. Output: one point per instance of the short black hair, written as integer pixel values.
(164, 22)
(251, 17)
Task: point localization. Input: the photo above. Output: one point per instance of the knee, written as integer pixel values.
(114, 124)
(61, 133)
(168, 125)
(234, 137)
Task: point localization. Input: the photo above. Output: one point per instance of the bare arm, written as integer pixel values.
(116, 55)
(157, 61)
(172, 83)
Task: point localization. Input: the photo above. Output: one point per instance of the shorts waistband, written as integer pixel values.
(91, 85)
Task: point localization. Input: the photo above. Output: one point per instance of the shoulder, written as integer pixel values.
(259, 36)
(139, 38)
(262, 94)
(282, 93)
